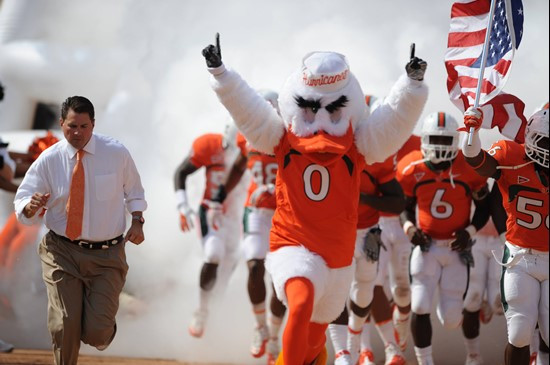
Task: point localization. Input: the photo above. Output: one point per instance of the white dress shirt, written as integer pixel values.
(112, 183)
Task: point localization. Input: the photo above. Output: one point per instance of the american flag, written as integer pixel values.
(469, 23)
(506, 112)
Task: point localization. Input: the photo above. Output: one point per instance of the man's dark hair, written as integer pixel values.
(78, 104)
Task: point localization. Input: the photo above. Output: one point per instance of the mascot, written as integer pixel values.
(321, 140)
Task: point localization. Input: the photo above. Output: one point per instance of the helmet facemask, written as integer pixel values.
(439, 148)
(439, 139)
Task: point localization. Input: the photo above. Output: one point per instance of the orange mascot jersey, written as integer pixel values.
(442, 208)
(317, 203)
(524, 197)
(372, 176)
(207, 150)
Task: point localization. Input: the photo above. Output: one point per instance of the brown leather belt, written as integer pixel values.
(101, 245)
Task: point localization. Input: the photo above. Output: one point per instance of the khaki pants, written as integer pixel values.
(83, 288)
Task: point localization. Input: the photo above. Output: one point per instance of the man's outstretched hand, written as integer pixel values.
(213, 54)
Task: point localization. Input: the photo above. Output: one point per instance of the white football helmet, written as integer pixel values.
(536, 138)
(439, 137)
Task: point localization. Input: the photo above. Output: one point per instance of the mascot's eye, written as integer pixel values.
(312, 104)
(337, 104)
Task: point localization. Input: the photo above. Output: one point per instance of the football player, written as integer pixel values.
(259, 208)
(521, 172)
(438, 182)
(215, 152)
(379, 191)
(399, 248)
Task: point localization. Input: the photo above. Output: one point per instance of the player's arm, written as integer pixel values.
(480, 160)
(185, 169)
(7, 185)
(497, 211)
(408, 218)
(409, 213)
(391, 200)
(22, 162)
(484, 163)
(463, 237)
(6, 170)
(232, 179)
(482, 210)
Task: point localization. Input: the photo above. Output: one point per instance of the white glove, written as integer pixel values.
(187, 215)
(214, 214)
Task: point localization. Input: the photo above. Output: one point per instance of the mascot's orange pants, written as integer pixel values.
(303, 340)
(13, 238)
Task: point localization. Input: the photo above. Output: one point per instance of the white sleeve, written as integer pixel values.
(33, 181)
(254, 116)
(134, 194)
(389, 125)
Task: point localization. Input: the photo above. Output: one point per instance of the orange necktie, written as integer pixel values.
(75, 204)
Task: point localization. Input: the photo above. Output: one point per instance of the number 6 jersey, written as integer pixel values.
(444, 199)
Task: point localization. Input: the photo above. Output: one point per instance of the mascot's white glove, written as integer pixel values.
(213, 54)
(416, 67)
(260, 190)
(214, 214)
(187, 215)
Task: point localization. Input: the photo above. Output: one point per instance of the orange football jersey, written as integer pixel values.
(263, 169)
(412, 144)
(372, 176)
(524, 197)
(317, 204)
(207, 150)
(442, 208)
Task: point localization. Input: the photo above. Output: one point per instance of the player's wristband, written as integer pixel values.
(181, 198)
(407, 225)
(471, 230)
(474, 149)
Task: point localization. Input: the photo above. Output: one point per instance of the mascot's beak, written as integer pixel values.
(321, 142)
(322, 148)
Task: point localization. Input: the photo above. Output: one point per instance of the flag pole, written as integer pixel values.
(483, 64)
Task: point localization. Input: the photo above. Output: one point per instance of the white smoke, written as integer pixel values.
(140, 63)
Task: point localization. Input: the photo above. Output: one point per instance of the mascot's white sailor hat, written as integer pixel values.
(323, 77)
(325, 71)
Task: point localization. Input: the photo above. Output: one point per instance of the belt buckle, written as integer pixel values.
(83, 243)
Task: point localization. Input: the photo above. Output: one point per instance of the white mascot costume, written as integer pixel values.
(322, 140)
